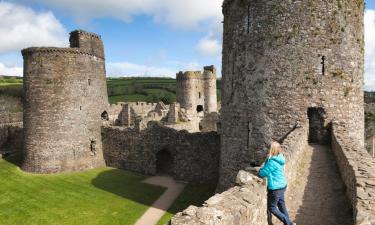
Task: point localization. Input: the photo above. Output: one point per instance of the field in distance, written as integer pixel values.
(123, 89)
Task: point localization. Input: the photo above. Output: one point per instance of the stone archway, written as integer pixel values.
(164, 162)
(319, 132)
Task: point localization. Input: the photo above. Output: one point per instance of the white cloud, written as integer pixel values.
(208, 46)
(22, 27)
(10, 69)
(370, 50)
(116, 69)
(178, 13)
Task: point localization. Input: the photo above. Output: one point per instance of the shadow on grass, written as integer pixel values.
(127, 185)
(15, 158)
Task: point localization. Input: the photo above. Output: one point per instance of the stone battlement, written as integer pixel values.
(83, 32)
(54, 50)
(189, 75)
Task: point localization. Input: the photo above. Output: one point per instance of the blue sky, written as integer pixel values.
(143, 38)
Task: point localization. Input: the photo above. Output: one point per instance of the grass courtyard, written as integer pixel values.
(101, 196)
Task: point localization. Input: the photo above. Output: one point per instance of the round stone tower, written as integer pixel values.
(188, 92)
(282, 61)
(65, 103)
(209, 88)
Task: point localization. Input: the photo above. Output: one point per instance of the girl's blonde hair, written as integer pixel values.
(275, 149)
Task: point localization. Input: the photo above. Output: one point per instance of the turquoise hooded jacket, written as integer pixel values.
(273, 169)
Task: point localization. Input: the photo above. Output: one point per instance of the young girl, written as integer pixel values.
(273, 169)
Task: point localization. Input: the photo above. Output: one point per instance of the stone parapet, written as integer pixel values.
(357, 170)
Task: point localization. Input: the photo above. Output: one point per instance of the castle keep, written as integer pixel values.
(196, 92)
(280, 69)
(65, 103)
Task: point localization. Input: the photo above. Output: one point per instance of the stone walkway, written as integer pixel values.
(157, 210)
(318, 195)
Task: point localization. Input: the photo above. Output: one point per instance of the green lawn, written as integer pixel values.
(97, 197)
(100, 196)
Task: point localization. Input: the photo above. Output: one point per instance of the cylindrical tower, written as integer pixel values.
(188, 90)
(280, 59)
(65, 103)
(209, 88)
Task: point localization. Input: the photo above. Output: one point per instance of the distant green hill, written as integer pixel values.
(124, 89)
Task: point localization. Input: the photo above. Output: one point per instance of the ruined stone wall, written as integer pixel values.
(247, 202)
(11, 138)
(65, 97)
(370, 107)
(277, 65)
(357, 170)
(195, 156)
(10, 104)
(209, 122)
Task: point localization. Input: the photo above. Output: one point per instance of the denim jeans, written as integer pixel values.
(276, 206)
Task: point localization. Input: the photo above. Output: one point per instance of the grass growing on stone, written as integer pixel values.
(193, 194)
(100, 196)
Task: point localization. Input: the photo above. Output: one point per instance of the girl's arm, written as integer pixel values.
(265, 170)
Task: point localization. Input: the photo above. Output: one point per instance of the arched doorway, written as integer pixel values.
(164, 163)
(105, 116)
(199, 108)
(319, 132)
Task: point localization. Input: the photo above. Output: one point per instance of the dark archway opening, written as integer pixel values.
(164, 163)
(319, 131)
(105, 116)
(199, 108)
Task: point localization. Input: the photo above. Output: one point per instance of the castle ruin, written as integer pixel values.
(65, 103)
(279, 71)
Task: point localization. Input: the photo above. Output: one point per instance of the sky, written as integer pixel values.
(141, 37)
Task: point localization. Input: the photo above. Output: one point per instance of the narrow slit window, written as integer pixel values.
(248, 19)
(323, 62)
(89, 81)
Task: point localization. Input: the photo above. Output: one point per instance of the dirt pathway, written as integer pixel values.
(157, 210)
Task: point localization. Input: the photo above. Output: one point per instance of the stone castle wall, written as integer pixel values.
(276, 66)
(65, 100)
(195, 156)
(247, 202)
(357, 170)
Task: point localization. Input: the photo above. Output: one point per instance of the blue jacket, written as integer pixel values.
(273, 169)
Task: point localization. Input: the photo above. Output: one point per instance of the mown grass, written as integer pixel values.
(193, 194)
(127, 98)
(100, 196)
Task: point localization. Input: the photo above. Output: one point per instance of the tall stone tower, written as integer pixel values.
(65, 103)
(196, 92)
(209, 89)
(188, 92)
(283, 62)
